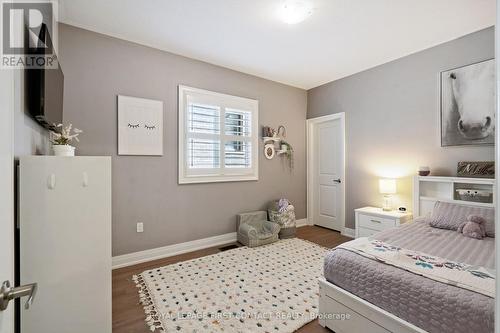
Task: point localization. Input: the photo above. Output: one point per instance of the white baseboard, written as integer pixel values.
(301, 223)
(348, 232)
(175, 249)
(171, 250)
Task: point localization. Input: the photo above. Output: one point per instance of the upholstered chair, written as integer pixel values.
(255, 230)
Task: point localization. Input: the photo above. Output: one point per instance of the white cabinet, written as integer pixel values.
(370, 220)
(65, 243)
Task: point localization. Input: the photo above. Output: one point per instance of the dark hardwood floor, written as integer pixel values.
(128, 315)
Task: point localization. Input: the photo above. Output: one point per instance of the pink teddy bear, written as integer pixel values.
(474, 227)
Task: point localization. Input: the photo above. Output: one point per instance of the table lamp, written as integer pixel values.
(387, 187)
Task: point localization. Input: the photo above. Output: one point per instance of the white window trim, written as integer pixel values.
(224, 101)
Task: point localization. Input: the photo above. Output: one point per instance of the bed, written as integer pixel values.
(361, 294)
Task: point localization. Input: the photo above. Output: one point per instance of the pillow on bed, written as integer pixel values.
(450, 216)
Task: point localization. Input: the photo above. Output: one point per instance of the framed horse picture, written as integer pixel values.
(468, 105)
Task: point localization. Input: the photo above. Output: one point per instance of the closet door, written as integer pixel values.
(65, 243)
(327, 170)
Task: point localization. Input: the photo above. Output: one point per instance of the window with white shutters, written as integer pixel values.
(218, 137)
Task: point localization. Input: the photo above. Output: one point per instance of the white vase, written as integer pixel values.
(63, 150)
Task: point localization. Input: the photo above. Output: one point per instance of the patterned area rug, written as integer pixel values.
(272, 288)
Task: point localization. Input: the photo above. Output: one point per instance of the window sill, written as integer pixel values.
(216, 179)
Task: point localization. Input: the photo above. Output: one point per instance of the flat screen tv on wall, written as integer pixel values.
(44, 91)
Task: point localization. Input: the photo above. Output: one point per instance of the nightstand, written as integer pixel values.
(370, 220)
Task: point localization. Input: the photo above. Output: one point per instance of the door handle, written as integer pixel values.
(338, 181)
(8, 293)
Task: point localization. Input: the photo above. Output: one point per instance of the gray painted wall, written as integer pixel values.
(392, 117)
(97, 68)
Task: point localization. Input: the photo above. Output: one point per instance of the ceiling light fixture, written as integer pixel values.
(292, 12)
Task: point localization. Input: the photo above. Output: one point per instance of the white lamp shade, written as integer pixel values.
(387, 186)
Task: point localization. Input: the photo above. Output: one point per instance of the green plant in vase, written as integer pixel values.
(287, 150)
(61, 136)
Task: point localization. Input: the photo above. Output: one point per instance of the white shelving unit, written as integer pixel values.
(273, 139)
(429, 189)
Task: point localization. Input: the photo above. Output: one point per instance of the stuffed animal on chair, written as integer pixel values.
(474, 227)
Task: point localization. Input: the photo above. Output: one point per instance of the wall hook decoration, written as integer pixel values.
(282, 130)
(85, 180)
(51, 181)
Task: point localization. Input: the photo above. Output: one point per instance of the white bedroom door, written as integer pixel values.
(7, 192)
(326, 174)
